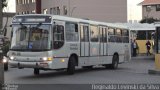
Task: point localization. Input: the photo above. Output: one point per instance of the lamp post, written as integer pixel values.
(73, 10)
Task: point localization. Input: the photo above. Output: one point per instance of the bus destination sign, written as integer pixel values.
(32, 19)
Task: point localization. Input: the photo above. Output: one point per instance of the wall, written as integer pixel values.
(101, 10)
(153, 13)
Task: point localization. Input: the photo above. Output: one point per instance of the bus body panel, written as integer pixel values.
(88, 52)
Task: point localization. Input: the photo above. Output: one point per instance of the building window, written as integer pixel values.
(64, 10)
(22, 1)
(51, 10)
(25, 1)
(33, 1)
(33, 11)
(28, 1)
(58, 10)
(17, 2)
(148, 8)
(54, 11)
(158, 7)
(27, 12)
(45, 11)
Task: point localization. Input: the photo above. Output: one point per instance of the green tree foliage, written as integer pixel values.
(4, 3)
(149, 20)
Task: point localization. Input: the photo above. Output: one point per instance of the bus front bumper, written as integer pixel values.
(40, 65)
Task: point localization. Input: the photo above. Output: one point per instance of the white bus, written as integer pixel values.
(52, 42)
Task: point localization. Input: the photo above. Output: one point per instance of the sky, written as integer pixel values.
(11, 6)
(134, 11)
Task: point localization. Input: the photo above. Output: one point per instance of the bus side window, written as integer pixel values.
(58, 36)
(71, 32)
(111, 35)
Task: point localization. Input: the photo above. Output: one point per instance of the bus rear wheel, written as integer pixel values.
(36, 71)
(115, 62)
(71, 66)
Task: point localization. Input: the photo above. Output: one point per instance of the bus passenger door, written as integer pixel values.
(101, 51)
(84, 43)
(103, 44)
(94, 45)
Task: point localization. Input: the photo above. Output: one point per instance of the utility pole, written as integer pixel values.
(1, 62)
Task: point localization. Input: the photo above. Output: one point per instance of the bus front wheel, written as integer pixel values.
(6, 66)
(71, 65)
(36, 71)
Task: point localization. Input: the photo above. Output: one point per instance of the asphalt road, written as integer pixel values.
(133, 72)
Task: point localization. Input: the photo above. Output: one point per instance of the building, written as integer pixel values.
(100, 10)
(151, 9)
(7, 19)
(28, 6)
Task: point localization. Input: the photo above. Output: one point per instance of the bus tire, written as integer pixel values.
(36, 71)
(5, 66)
(71, 65)
(115, 62)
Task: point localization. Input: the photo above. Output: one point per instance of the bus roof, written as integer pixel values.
(139, 26)
(79, 20)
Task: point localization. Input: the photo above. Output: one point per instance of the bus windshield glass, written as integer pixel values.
(31, 38)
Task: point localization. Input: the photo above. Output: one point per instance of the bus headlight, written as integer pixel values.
(47, 58)
(4, 60)
(44, 58)
(12, 57)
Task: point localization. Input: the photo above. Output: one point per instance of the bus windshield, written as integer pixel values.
(31, 38)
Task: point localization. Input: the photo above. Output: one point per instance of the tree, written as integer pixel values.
(148, 20)
(4, 3)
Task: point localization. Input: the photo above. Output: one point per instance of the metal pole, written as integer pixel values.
(69, 7)
(1, 63)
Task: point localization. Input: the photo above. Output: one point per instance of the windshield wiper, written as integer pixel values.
(22, 26)
(39, 25)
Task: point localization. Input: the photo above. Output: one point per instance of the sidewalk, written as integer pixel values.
(143, 57)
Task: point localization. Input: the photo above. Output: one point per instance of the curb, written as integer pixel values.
(143, 57)
(154, 72)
